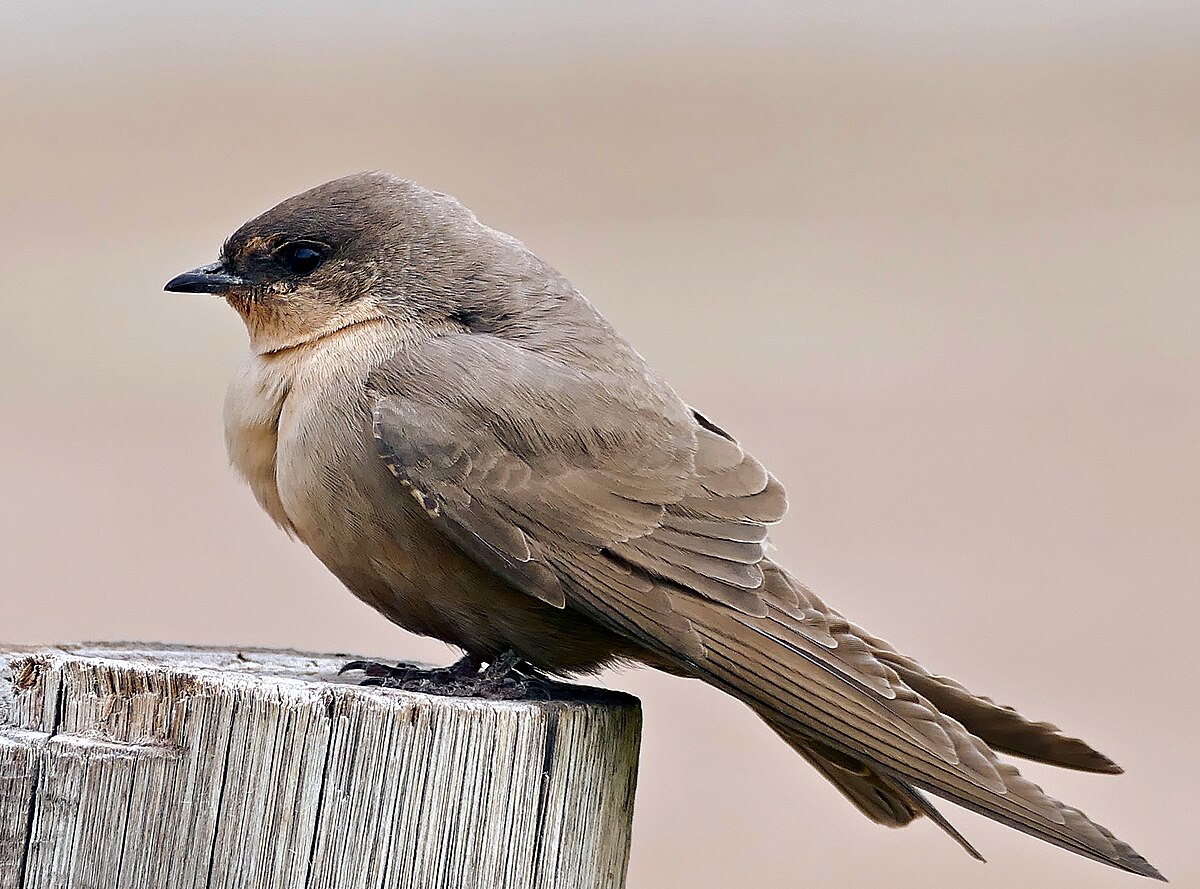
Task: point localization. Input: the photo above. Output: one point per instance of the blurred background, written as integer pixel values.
(935, 264)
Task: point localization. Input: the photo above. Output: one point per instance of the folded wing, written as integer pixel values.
(605, 494)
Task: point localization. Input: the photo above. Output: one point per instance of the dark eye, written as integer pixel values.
(301, 257)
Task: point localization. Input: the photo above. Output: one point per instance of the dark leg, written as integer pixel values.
(500, 680)
(375, 673)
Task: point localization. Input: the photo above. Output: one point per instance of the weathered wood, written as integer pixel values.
(140, 767)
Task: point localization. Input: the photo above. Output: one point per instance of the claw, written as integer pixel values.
(502, 665)
(504, 678)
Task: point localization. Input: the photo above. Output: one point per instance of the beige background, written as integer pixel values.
(937, 267)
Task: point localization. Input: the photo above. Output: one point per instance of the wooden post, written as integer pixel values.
(154, 767)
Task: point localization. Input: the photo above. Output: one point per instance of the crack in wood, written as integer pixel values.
(299, 778)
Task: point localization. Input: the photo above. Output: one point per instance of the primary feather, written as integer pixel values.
(683, 569)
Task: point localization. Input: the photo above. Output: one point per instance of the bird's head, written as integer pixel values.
(336, 255)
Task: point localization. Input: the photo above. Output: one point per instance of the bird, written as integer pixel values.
(475, 452)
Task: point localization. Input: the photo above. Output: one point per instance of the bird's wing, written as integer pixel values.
(601, 491)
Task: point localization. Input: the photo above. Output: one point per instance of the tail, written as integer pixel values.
(1003, 728)
(883, 799)
(882, 728)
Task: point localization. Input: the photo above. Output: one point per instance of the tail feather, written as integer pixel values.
(863, 708)
(868, 791)
(1003, 728)
(930, 811)
(883, 798)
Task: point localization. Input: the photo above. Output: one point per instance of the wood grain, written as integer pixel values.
(139, 766)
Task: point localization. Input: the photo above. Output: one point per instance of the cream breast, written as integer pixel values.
(280, 433)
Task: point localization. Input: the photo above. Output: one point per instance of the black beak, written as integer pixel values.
(207, 279)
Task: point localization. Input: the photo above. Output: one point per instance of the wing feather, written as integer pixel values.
(604, 494)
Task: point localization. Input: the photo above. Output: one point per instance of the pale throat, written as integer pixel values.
(278, 325)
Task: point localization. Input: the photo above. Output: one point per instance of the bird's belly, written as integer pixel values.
(349, 510)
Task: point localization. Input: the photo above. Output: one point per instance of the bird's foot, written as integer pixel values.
(500, 680)
(413, 678)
